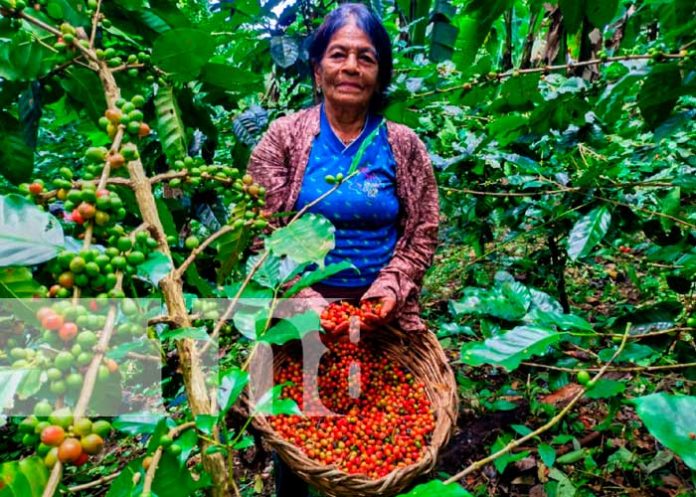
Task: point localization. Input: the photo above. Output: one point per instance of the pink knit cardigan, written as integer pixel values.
(278, 163)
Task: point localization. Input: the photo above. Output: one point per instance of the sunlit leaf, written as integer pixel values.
(588, 232)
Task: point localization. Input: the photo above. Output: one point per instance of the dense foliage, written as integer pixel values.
(562, 137)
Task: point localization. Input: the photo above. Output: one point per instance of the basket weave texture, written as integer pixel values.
(423, 356)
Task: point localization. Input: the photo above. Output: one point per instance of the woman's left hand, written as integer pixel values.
(383, 316)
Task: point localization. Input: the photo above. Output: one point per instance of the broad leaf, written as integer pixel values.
(138, 423)
(308, 239)
(170, 128)
(509, 349)
(23, 59)
(28, 235)
(284, 50)
(309, 279)
(16, 156)
(199, 333)
(229, 77)
(671, 419)
(25, 478)
(573, 12)
(156, 267)
(10, 380)
(437, 488)
(232, 384)
(18, 283)
(83, 86)
(601, 12)
(659, 94)
(183, 52)
(271, 403)
(547, 454)
(268, 274)
(292, 328)
(605, 389)
(588, 232)
(174, 479)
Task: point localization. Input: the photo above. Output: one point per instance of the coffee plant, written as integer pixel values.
(139, 269)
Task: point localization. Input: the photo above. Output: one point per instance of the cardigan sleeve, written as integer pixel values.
(269, 165)
(402, 277)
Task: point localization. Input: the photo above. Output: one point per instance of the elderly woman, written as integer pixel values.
(386, 215)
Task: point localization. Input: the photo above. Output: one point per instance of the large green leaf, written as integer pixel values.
(18, 283)
(23, 59)
(10, 381)
(83, 86)
(28, 235)
(509, 349)
(588, 232)
(308, 239)
(509, 300)
(292, 328)
(25, 478)
(474, 25)
(601, 12)
(437, 488)
(183, 52)
(232, 384)
(156, 267)
(573, 12)
(659, 94)
(309, 279)
(174, 479)
(137, 423)
(170, 127)
(272, 403)
(229, 77)
(124, 485)
(671, 419)
(16, 156)
(284, 50)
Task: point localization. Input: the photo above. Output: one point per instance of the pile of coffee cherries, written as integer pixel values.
(380, 416)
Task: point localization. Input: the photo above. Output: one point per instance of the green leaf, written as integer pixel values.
(23, 59)
(170, 127)
(605, 389)
(518, 93)
(251, 322)
(272, 404)
(588, 232)
(601, 12)
(510, 301)
(232, 383)
(309, 279)
(193, 333)
(25, 478)
(246, 442)
(670, 205)
(10, 380)
(268, 275)
(547, 454)
(437, 488)
(308, 239)
(474, 24)
(123, 485)
(229, 77)
(573, 12)
(174, 479)
(156, 267)
(284, 50)
(671, 419)
(565, 487)
(28, 235)
(16, 156)
(659, 94)
(137, 423)
(509, 349)
(18, 283)
(206, 423)
(564, 322)
(83, 87)
(292, 328)
(183, 52)
(501, 462)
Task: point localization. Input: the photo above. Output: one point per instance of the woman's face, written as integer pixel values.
(347, 74)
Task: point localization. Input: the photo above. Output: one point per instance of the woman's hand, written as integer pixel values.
(385, 308)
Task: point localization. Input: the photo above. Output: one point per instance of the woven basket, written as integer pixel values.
(423, 356)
